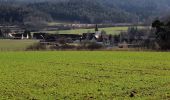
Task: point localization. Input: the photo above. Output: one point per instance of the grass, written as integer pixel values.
(15, 45)
(109, 30)
(58, 23)
(85, 75)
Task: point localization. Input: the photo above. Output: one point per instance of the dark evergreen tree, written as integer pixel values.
(27, 32)
(162, 34)
(96, 28)
(1, 34)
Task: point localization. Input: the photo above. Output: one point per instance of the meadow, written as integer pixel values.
(15, 45)
(84, 75)
(108, 30)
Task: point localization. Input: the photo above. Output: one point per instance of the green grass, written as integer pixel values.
(84, 75)
(109, 30)
(55, 23)
(58, 23)
(15, 45)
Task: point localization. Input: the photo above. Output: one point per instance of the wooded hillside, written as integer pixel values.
(84, 11)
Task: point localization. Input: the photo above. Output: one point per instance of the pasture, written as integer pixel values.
(109, 30)
(15, 45)
(84, 75)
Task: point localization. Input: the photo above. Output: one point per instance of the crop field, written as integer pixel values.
(84, 75)
(15, 45)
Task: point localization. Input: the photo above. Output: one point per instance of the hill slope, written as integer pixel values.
(85, 11)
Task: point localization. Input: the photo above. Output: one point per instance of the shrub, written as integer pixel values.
(62, 47)
(36, 46)
(90, 46)
(93, 46)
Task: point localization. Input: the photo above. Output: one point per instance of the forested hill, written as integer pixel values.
(85, 11)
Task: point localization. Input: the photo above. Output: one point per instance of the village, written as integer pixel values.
(133, 38)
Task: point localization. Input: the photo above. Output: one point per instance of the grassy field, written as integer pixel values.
(15, 45)
(84, 75)
(109, 30)
(58, 23)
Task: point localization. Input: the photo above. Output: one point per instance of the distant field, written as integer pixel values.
(109, 30)
(84, 75)
(13, 45)
(58, 23)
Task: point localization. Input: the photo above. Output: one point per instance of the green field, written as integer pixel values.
(15, 45)
(109, 30)
(58, 23)
(84, 75)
